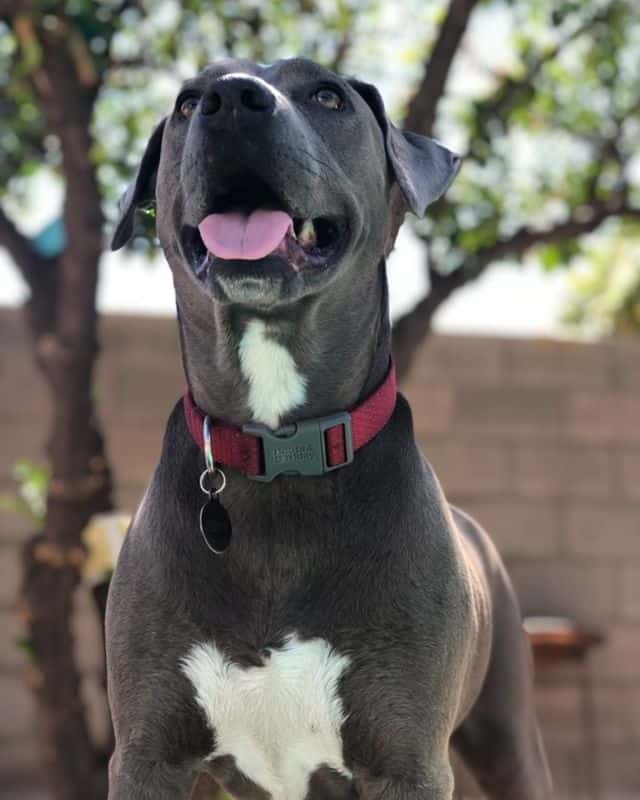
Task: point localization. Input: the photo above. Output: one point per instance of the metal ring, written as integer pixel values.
(211, 474)
(208, 445)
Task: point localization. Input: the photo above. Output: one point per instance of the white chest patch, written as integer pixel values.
(280, 721)
(275, 385)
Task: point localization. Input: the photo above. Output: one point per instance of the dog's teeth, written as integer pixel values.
(202, 266)
(307, 235)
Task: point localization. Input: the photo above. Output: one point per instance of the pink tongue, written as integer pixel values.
(236, 236)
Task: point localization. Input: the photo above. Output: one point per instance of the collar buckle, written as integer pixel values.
(301, 448)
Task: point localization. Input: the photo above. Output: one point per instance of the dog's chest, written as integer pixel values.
(281, 721)
(275, 384)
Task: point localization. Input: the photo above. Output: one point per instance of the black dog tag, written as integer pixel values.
(215, 525)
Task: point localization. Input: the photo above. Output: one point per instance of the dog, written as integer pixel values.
(296, 609)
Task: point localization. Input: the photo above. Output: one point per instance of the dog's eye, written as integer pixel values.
(329, 99)
(187, 107)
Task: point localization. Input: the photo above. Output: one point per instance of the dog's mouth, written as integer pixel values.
(248, 223)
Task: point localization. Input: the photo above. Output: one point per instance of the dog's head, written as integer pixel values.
(271, 181)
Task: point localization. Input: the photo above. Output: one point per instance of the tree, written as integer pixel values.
(83, 83)
(52, 86)
(573, 94)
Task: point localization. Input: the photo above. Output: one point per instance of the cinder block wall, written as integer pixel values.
(539, 440)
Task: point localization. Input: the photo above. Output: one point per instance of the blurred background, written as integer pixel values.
(516, 307)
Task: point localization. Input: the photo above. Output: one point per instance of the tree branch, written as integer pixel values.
(588, 218)
(41, 275)
(30, 264)
(410, 330)
(421, 111)
(343, 46)
(18, 246)
(7, 11)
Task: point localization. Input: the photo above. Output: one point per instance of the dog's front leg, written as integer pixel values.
(436, 784)
(134, 776)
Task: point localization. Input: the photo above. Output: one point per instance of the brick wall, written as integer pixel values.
(539, 440)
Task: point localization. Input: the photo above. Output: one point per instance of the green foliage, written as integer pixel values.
(552, 256)
(26, 646)
(22, 145)
(30, 499)
(551, 137)
(552, 132)
(605, 288)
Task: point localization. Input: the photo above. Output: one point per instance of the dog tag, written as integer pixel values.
(215, 525)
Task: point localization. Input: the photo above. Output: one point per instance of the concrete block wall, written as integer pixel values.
(539, 440)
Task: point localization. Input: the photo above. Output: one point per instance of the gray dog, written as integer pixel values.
(296, 609)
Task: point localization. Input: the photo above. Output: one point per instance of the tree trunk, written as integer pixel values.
(62, 318)
(80, 486)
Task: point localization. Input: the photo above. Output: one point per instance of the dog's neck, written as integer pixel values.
(323, 354)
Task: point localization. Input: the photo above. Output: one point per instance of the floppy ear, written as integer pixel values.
(423, 168)
(141, 191)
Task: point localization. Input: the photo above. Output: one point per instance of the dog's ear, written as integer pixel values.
(423, 168)
(141, 191)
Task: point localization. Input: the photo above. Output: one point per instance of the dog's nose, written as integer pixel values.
(247, 98)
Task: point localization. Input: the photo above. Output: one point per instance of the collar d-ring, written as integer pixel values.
(211, 470)
(208, 449)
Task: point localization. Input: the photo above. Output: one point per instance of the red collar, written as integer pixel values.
(309, 447)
